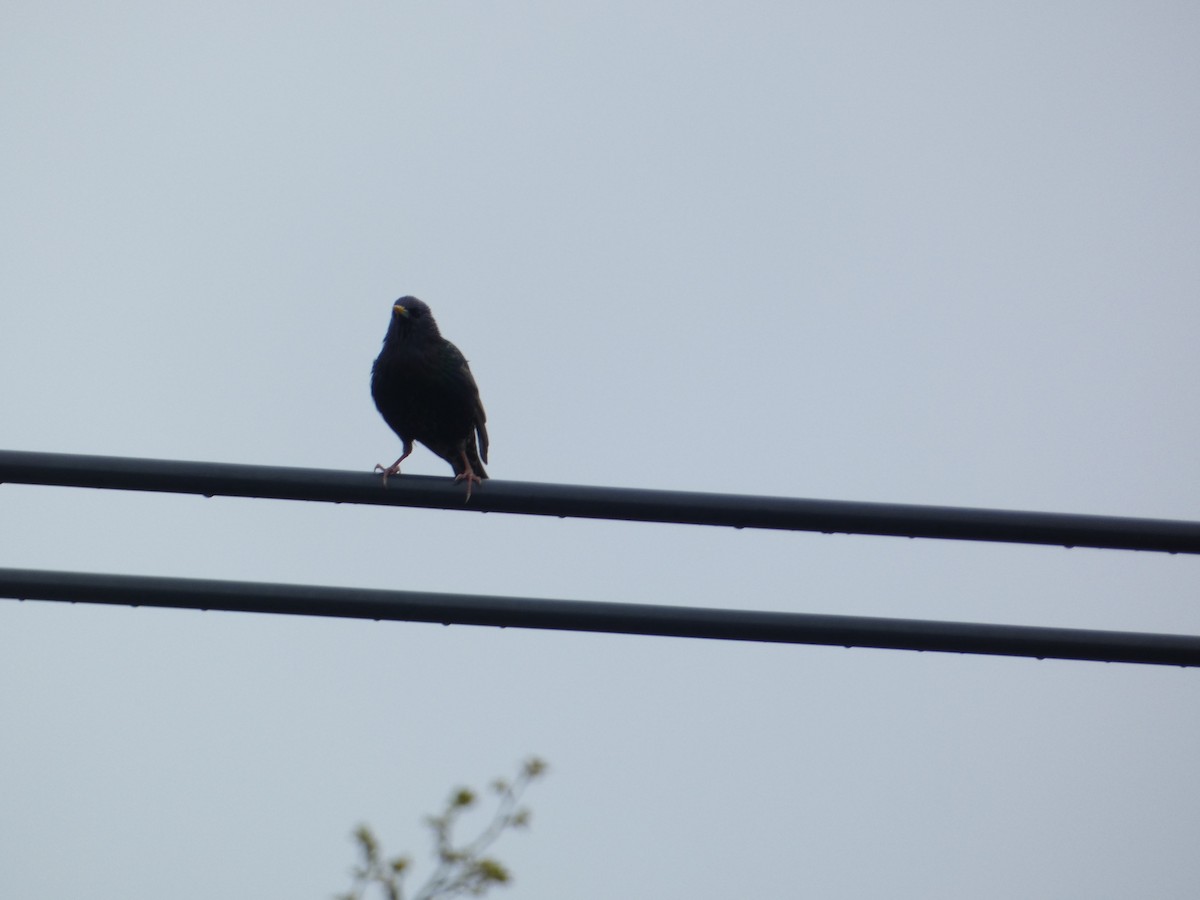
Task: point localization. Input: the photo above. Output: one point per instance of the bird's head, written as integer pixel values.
(411, 318)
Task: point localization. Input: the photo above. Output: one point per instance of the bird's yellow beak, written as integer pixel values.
(400, 310)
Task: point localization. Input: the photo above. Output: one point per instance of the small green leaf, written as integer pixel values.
(491, 870)
(366, 840)
(464, 797)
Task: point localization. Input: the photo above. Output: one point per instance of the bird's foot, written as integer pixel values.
(469, 477)
(393, 469)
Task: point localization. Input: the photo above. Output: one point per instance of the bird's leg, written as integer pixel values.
(468, 475)
(394, 468)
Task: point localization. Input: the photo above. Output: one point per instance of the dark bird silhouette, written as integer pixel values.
(424, 390)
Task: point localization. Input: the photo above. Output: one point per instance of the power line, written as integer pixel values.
(591, 502)
(611, 618)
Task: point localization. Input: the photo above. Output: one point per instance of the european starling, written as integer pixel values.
(424, 390)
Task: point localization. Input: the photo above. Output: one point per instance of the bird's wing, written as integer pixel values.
(460, 380)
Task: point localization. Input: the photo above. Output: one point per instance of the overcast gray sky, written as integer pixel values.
(917, 252)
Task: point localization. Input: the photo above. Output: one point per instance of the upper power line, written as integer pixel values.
(590, 502)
